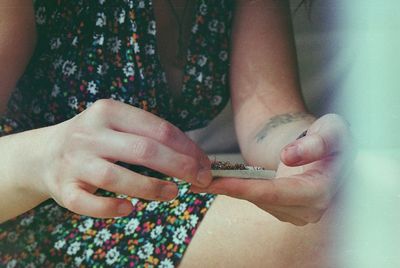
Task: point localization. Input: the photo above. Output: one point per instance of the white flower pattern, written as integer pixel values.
(166, 263)
(156, 231)
(152, 27)
(180, 209)
(102, 237)
(112, 256)
(92, 88)
(102, 69)
(69, 68)
(101, 19)
(131, 226)
(129, 69)
(59, 244)
(93, 51)
(86, 225)
(152, 205)
(114, 44)
(193, 220)
(74, 248)
(180, 235)
(146, 251)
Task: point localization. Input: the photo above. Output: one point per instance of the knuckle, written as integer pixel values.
(155, 189)
(106, 176)
(317, 210)
(335, 118)
(144, 149)
(314, 217)
(71, 200)
(101, 107)
(189, 167)
(165, 132)
(321, 207)
(299, 223)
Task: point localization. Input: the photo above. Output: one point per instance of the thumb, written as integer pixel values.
(305, 150)
(324, 138)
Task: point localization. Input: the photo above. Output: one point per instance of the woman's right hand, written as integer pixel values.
(81, 154)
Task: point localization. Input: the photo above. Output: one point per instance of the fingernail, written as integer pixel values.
(204, 177)
(124, 209)
(199, 190)
(293, 154)
(169, 192)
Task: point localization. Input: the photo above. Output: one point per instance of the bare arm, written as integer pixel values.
(268, 107)
(17, 41)
(69, 161)
(19, 172)
(270, 114)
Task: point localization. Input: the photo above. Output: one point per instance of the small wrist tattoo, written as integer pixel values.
(279, 120)
(303, 134)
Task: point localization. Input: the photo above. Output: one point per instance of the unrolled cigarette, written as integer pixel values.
(244, 174)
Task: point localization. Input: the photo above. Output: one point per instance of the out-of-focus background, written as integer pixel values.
(349, 63)
(349, 59)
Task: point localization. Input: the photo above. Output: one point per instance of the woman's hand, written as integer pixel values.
(81, 155)
(308, 177)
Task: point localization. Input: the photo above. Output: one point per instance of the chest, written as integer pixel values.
(174, 19)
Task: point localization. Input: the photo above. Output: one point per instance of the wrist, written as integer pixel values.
(264, 147)
(28, 162)
(22, 166)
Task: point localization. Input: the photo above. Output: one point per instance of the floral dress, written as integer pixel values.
(94, 49)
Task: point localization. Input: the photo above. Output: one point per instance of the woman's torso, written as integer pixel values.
(89, 50)
(95, 49)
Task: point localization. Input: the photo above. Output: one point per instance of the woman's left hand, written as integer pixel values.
(308, 177)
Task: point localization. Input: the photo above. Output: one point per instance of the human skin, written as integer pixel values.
(269, 114)
(262, 91)
(47, 162)
(265, 90)
(15, 49)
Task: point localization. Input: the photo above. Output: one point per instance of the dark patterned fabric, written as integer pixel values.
(93, 49)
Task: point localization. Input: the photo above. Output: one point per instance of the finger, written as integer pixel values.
(297, 190)
(296, 214)
(282, 204)
(326, 137)
(82, 202)
(126, 118)
(117, 179)
(147, 152)
(287, 218)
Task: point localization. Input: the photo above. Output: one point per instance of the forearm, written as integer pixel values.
(21, 166)
(263, 147)
(17, 43)
(264, 80)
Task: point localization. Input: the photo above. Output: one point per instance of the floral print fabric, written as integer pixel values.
(155, 234)
(93, 49)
